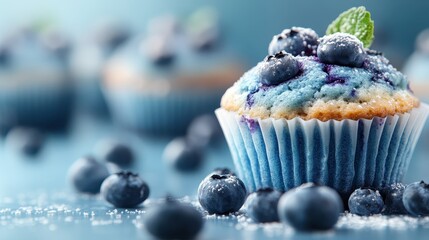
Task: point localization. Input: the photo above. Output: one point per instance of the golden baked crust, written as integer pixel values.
(373, 103)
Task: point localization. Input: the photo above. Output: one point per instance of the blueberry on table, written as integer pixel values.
(87, 174)
(365, 202)
(115, 152)
(262, 205)
(341, 49)
(204, 130)
(124, 190)
(173, 220)
(278, 68)
(416, 198)
(183, 156)
(28, 141)
(296, 41)
(310, 207)
(392, 195)
(221, 193)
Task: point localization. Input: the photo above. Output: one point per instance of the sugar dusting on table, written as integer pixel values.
(56, 210)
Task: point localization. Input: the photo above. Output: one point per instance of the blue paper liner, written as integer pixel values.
(89, 96)
(344, 155)
(41, 105)
(168, 114)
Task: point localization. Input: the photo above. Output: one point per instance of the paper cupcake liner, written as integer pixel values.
(345, 155)
(160, 114)
(44, 105)
(90, 97)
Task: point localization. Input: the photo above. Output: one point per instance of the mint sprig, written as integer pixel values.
(355, 21)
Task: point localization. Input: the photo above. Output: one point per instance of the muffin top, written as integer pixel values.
(30, 56)
(333, 77)
(175, 55)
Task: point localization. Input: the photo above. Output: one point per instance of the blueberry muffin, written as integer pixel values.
(161, 81)
(34, 83)
(87, 62)
(325, 110)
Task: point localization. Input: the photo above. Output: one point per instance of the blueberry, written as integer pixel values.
(278, 68)
(204, 130)
(392, 195)
(183, 156)
(296, 41)
(365, 202)
(28, 141)
(341, 49)
(173, 220)
(87, 174)
(310, 207)
(221, 193)
(159, 50)
(115, 152)
(416, 198)
(262, 205)
(124, 190)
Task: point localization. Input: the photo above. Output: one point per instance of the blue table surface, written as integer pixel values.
(37, 202)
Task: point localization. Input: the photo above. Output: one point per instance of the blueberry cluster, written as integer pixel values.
(122, 189)
(394, 199)
(308, 207)
(283, 63)
(186, 154)
(171, 219)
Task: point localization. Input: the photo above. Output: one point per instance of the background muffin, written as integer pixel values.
(159, 82)
(34, 82)
(87, 63)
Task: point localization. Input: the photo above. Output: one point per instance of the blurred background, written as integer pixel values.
(153, 66)
(249, 26)
(77, 74)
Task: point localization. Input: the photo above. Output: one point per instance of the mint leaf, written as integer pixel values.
(355, 21)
